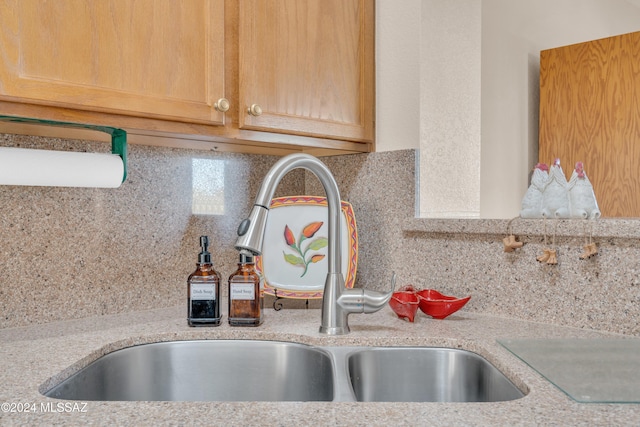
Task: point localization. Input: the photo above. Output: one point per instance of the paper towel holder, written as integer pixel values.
(118, 136)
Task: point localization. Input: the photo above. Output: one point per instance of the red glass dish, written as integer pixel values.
(404, 304)
(437, 305)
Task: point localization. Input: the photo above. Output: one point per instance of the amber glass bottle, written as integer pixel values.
(203, 291)
(245, 294)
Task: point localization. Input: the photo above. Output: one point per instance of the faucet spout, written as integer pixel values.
(337, 302)
(251, 230)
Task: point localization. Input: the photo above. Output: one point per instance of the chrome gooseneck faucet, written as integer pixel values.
(337, 302)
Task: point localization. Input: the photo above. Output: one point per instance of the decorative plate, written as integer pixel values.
(294, 254)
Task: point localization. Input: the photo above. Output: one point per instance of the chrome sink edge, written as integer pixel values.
(338, 354)
(343, 391)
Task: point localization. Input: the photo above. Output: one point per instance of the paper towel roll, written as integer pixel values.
(20, 166)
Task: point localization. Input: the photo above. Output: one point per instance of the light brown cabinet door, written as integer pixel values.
(144, 58)
(590, 112)
(309, 66)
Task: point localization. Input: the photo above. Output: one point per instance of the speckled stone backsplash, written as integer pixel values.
(71, 253)
(78, 252)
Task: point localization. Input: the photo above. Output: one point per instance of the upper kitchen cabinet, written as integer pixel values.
(307, 67)
(144, 58)
(185, 73)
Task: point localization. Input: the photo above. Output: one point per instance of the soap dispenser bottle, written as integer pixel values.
(203, 290)
(246, 300)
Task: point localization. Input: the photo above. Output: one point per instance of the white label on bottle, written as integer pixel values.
(242, 291)
(203, 291)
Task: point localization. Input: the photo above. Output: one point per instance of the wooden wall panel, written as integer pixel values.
(590, 112)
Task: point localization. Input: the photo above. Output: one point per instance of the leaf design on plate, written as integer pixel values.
(318, 243)
(293, 259)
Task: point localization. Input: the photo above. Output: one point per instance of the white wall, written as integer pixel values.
(424, 50)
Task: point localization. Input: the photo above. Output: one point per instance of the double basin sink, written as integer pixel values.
(253, 370)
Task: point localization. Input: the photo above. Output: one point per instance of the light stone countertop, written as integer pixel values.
(34, 358)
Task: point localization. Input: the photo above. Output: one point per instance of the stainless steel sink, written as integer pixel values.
(252, 370)
(425, 374)
(216, 370)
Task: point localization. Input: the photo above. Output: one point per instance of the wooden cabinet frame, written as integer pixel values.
(151, 119)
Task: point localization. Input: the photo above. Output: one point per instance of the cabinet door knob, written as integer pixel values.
(222, 105)
(255, 110)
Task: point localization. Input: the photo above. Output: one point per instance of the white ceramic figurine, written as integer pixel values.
(582, 198)
(532, 200)
(555, 198)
